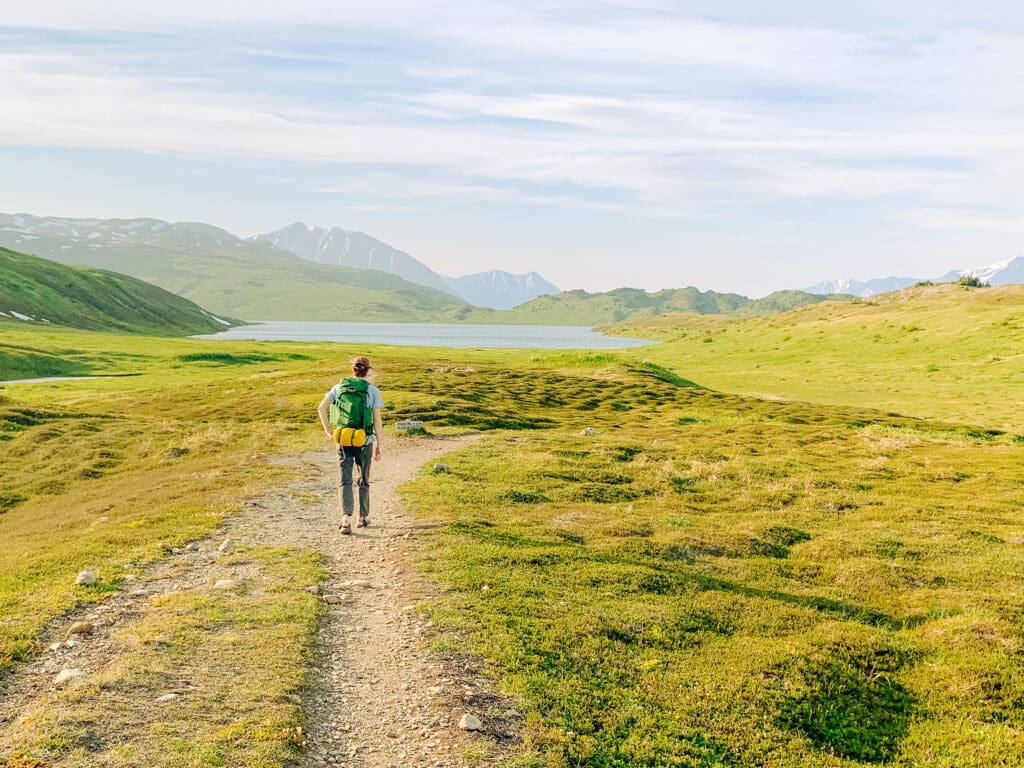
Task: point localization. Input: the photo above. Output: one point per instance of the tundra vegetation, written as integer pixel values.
(662, 567)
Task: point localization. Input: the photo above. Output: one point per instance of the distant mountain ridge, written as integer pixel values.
(627, 304)
(36, 290)
(351, 249)
(495, 288)
(256, 279)
(228, 275)
(1007, 272)
(498, 289)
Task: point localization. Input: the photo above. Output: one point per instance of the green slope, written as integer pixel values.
(944, 350)
(626, 304)
(252, 280)
(94, 299)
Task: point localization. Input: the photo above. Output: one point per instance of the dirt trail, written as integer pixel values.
(380, 697)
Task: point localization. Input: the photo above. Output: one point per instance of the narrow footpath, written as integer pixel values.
(379, 696)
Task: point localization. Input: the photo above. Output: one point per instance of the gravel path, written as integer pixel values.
(379, 696)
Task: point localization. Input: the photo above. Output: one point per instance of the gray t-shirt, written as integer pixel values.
(373, 400)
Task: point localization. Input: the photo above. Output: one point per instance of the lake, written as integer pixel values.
(432, 335)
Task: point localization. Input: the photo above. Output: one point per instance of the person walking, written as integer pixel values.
(358, 405)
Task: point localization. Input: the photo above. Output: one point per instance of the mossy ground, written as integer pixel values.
(704, 579)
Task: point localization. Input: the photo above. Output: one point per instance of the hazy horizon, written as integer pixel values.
(640, 144)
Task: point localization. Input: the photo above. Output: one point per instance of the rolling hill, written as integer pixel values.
(628, 304)
(303, 274)
(940, 350)
(229, 276)
(43, 291)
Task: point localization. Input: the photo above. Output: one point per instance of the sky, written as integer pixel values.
(735, 146)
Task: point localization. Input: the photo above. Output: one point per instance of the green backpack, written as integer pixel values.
(351, 408)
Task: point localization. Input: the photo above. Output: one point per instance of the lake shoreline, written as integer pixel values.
(449, 335)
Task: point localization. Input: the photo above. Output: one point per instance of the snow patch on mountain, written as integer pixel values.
(1006, 272)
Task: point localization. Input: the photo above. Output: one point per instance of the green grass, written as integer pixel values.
(942, 351)
(675, 576)
(94, 299)
(763, 584)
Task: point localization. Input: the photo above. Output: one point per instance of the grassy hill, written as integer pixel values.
(626, 304)
(94, 299)
(942, 350)
(228, 276)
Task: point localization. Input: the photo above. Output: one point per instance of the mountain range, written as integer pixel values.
(1006, 272)
(225, 274)
(495, 289)
(116, 243)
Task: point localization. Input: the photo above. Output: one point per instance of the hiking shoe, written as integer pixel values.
(346, 525)
(363, 522)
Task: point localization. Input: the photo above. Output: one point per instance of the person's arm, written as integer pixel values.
(378, 431)
(322, 411)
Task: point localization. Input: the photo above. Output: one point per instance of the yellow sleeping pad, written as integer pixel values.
(349, 437)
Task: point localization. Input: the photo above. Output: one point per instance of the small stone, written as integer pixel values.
(72, 643)
(56, 646)
(361, 583)
(437, 689)
(225, 584)
(332, 599)
(81, 628)
(167, 697)
(442, 469)
(192, 547)
(103, 519)
(485, 588)
(470, 722)
(313, 589)
(226, 547)
(588, 432)
(86, 579)
(391, 735)
(65, 675)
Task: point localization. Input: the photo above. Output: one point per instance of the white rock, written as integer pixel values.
(56, 646)
(226, 547)
(72, 643)
(225, 584)
(192, 547)
(588, 432)
(470, 722)
(65, 675)
(166, 697)
(86, 579)
(313, 589)
(441, 469)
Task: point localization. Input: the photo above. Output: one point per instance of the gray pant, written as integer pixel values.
(362, 458)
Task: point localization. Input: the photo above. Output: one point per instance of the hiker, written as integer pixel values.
(350, 416)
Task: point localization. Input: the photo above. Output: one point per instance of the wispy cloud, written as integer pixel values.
(638, 108)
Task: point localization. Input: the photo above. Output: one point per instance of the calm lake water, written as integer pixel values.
(432, 335)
